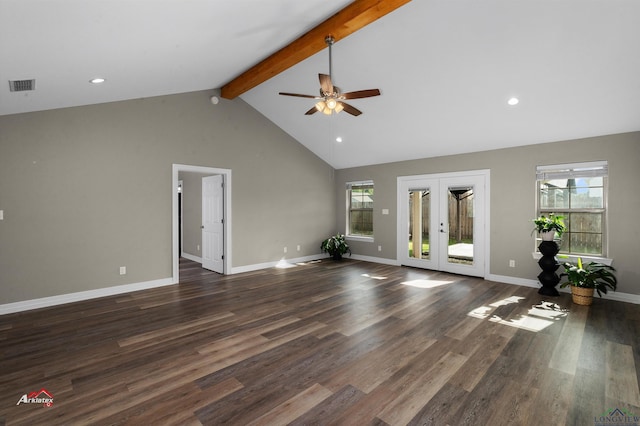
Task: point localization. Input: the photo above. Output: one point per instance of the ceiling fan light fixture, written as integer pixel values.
(331, 97)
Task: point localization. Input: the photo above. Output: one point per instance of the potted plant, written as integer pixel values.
(549, 226)
(336, 246)
(584, 279)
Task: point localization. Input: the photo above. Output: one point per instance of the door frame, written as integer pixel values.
(401, 226)
(176, 169)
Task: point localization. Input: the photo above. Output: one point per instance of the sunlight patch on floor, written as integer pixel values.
(485, 311)
(308, 262)
(374, 277)
(426, 283)
(536, 319)
(283, 264)
(525, 322)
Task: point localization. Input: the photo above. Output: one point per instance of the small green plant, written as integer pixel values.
(549, 223)
(336, 246)
(594, 275)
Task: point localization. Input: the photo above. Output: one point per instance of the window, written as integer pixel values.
(579, 193)
(360, 209)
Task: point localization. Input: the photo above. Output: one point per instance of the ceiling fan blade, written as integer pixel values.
(361, 94)
(299, 95)
(325, 83)
(311, 111)
(351, 110)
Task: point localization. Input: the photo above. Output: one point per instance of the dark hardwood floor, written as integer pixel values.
(346, 343)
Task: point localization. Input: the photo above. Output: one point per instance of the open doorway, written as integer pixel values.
(178, 234)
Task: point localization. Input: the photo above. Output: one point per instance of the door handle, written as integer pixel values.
(201, 226)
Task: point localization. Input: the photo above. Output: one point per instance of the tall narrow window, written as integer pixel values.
(579, 193)
(360, 209)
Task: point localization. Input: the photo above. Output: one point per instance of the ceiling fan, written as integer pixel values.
(331, 99)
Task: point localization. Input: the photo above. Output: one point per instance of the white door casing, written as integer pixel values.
(228, 216)
(440, 257)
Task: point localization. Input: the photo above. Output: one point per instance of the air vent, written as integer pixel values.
(22, 85)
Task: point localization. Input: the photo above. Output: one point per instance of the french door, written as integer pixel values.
(442, 222)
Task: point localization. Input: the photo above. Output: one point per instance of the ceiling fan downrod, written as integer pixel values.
(329, 40)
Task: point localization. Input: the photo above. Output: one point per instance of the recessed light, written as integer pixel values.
(97, 80)
(338, 139)
(513, 101)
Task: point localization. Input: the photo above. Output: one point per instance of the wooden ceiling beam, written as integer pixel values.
(347, 21)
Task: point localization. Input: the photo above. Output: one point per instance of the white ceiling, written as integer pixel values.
(445, 67)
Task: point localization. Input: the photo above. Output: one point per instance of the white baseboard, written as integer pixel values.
(282, 262)
(46, 302)
(192, 257)
(622, 297)
(513, 280)
(614, 295)
(381, 260)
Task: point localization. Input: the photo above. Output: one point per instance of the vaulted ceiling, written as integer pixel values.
(446, 68)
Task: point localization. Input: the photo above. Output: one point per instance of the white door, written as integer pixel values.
(212, 223)
(442, 222)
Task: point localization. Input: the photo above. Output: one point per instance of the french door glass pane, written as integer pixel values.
(419, 205)
(460, 247)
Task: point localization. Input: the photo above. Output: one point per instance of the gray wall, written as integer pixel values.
(86, 190)
(513, 199)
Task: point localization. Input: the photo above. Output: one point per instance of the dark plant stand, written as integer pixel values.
(548, 277)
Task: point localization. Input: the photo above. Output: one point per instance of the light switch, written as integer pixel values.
(1, 214)
(385, 211)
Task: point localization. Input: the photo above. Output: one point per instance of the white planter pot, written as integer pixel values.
(547, 236)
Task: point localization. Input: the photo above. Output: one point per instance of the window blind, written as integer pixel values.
(569, 171)
(361, 184)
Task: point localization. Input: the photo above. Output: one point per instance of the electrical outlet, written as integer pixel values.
(298, 247)
(379, 248)
(198, 247)
(285, 249)
(123, 270)
(512, 263)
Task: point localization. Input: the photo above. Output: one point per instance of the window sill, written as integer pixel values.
(574, 259)
(359, 238)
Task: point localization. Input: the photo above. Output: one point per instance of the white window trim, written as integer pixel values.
(356, 237)
(571, 258)
(359, 238)
(595, 168)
